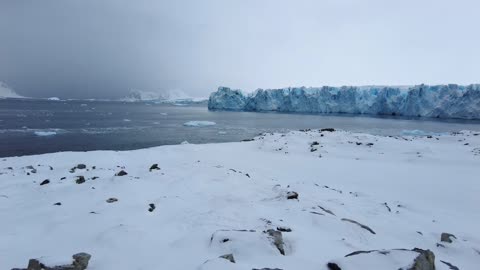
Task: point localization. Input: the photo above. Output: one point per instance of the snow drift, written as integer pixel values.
(441, 101)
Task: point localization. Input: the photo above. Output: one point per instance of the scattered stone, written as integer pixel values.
(228, 257)
(121, 173)
(247, 140)
(63, 178)
(424, 261)
(34, 171)
(44, 182)
(447, 237)
(333, 266)
(94, 167)
(80, 179)
(154, 167)
(291, 195)
(440, 245)
(358, 143)
(419, 232)
(369, 144)
(95, 177)
(112, 200)
(29, 167)
(314, 143)
(328, 129)
(51, 168)
(152, 207)
(247, 175)
(81, 166)
(277, 238)
(451, 266)
(58, 203)
(317, 213)
(283, 229)
(359, 224)
(313, 149)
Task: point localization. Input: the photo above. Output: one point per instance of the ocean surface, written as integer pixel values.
(42, 126)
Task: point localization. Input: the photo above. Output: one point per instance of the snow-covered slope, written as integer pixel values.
(356, 192)
(6, 92)
(442, 101)
(161, 97)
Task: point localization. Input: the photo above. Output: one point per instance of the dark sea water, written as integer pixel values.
(41, 126)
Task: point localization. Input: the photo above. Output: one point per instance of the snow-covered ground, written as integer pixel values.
(355, 192)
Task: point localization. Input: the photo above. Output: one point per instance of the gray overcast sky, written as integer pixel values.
(91, 48)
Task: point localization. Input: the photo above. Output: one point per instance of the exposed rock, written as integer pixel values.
(359, 224)
(121, 173)
(111, 200)
(277, 238)
(95, 177)
(80, 260)
(451, 266)
(80, 180)
(326, 210)
(291, 195)
(154, 167)
(81, 166)
(328, 129)
(63, 178)
(152, 207)
(44, 182)
(333, 266)
(424, 261)
(283, 229)
(57, 203)
(447, 237)
(369, 144)
(314, 143)
(228, 257)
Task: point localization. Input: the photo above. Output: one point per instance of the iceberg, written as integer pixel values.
(439, 101)
(7, 92)
(199, 123)
(169, 97)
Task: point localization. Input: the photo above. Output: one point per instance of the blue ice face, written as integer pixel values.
(442, 101)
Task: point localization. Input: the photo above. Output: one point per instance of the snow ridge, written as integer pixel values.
(440, 101)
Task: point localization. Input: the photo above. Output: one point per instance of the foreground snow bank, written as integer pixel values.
(442, 101)
(313, 196)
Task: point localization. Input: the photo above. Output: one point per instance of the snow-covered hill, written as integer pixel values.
(6, 92)
(440, 101)
(161, 97)
(299, 200)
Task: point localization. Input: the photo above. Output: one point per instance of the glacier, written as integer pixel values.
(438, 101)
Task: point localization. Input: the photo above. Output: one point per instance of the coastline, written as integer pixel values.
(207, 191)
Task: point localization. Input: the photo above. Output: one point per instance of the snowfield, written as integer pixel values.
(438, 101)
(299, 200)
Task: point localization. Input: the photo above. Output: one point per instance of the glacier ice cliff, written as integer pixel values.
(440, 101)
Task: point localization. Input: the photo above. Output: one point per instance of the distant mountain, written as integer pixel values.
(7, 92)
(176, 97)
